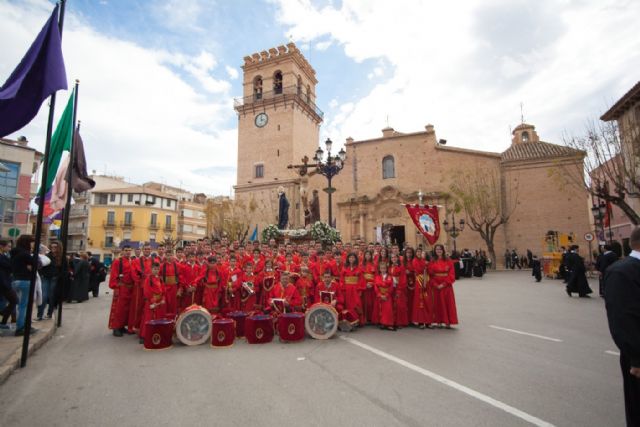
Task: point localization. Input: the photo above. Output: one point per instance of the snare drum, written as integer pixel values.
(158, 334)
(291, 327)
(194, 325)
(258, 329)
(223, 333)
(321, 321)
(239, 318)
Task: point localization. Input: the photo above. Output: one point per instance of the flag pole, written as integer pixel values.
(64, 231)
(38, 236)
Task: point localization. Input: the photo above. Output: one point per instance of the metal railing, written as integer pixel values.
(127, 224)
(108, 223)
(169, 227)
(285, 94)
(153, 226)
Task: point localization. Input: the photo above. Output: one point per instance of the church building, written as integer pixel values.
(278, 125)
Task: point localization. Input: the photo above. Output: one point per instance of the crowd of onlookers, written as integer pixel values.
(58, 279)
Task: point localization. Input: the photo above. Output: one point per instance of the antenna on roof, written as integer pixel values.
(387, 120)
(521, 112)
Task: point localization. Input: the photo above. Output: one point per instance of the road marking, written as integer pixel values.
(525, 333)
(464, 389)
(613, 353)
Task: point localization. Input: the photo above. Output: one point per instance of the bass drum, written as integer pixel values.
(194, 326)
(321, 321)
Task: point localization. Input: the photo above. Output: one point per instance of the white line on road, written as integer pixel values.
(482, 397)
(525, 333)
(613, 353)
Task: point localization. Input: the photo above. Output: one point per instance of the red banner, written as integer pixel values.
(427, 220)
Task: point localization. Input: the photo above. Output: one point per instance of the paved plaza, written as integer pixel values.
(524, 354)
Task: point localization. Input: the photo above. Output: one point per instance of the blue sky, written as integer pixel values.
(158, 77)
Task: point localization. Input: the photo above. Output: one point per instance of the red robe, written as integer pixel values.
(153, 292)
(249, 301)
(442, 273)
(352, 283)
(400, 295)
(422, 305)
(336, 289)
(210, 282)
(169, 275)
(289, 293)
(410, 272)
(231, 281)
(187, 275)
(141, 269)
(306, 291)
(383, 312)
(267, 282)
(368, 293)
(121, 281)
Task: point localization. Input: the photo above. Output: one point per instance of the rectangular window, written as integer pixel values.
(167, 220)
(259, 171)
(108, 242)
(112, 197)
(129, 198)
(154, 219)
(111, 218)
(101, 199)
(128, 218)
(169, 203)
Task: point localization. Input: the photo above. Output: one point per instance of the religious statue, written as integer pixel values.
(283, 210)
(314, 208)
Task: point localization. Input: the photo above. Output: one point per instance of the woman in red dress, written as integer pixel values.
(397, 271)
(369, 271)
(155, 306)
(352, 284)
(407, 262)
(384, 289)
(441, 277)
(422, 307)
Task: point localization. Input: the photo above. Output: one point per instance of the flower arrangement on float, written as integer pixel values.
(324, 233)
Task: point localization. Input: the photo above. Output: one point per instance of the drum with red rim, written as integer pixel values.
(223, 332)
(158, 334)
(321, 321)
(258, 329)
(291, 327)
(239, 317)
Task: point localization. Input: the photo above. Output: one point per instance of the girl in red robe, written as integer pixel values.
(249, 288)
(407, 262)
(268, 280)
(422, 307)
(154, 302)
(384, 289)
(305, 286)
(352, 284)
(397, 272)
(169, 271)
(232, 285)
(441, 277)
(369, 271)
(210, 282)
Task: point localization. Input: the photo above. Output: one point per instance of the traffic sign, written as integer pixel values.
(14, 232)
(588, 237)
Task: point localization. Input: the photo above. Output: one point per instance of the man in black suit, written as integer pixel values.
(622, 298)
(577, 274)
(603, 262)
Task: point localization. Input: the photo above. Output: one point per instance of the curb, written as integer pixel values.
(12, 363)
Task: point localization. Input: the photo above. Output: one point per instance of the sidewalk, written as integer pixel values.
(11, 346)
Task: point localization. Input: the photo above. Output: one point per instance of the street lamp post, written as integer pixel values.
(599, 212)
(452, 230)
(328, 168)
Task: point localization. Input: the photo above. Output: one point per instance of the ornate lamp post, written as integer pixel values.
(599, 212)
(452, 230)
(328, 168)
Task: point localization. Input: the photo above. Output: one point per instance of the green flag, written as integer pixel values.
(61, 141)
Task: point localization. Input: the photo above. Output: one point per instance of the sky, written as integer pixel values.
(158, 78)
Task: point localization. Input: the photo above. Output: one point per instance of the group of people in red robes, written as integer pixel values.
(367, 284)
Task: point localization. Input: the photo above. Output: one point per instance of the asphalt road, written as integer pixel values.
(479, 374)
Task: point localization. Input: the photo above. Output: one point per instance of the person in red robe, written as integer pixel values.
(305, 286)
(169, 271)
(187, 274)
(369, 271)
(286, 291)
(267, 281)
(155, 306)
(141, 268)
(407, 262)
(401, 310)
(330, 292)
(352, 283)
(121, 281)
(384, 285)
(232, 285)
(441, 277)
(422, 306)
(249, 289)
(209, 281)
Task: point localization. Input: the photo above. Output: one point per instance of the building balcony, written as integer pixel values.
(108, 224)
(127, 224)
(169, 227)
(78, 213)
(76, 231)
(290, 93)
(153, 226)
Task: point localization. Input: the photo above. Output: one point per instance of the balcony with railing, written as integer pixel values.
(127, 224)
(153, 226)
(108, 224)
(169, 227)
(76, 231)
(78, 212)
(289, 93)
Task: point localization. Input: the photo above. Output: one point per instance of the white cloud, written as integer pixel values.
(466, 66)
(140, 118)
(232, 72)
(323, 45)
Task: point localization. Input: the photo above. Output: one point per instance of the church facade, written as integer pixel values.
(279, 125)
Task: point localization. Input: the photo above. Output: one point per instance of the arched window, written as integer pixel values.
(257, 87)
(388, 168)
(525, 136)
(277, 82)
(299, 85)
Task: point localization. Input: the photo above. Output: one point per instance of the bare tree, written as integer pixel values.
(611, 169)
(486, 202)
(227, 217)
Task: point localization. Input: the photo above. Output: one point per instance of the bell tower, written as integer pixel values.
(278, 124)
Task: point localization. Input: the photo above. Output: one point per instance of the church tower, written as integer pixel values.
(278, 124)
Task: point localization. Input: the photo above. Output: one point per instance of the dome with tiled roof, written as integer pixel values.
(538, 151)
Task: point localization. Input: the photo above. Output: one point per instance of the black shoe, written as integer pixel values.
(568, 292)
(584, 296)
(141, 341)
(117, 332)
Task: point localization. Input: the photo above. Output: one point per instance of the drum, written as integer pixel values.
(239, 317)
(194, 325)
(223, 332)
(321, 321)
(291, 327)
(158, 334)
(258, 329)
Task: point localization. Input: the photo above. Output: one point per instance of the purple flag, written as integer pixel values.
(40, 74)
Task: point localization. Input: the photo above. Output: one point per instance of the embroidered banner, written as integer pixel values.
(427, 220)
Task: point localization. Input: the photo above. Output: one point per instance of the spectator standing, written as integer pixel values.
(6, 290)
(577, 277)
(605, 259)
(81, 278)
(21, 265)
